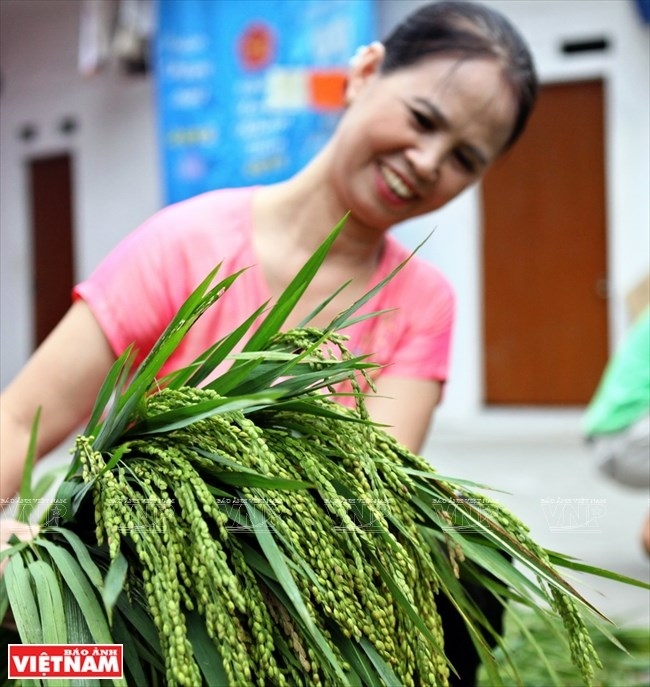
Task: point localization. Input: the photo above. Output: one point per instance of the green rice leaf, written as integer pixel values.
(134, 671)
(298, 562)
(76, 579)
(4, 598)
(572, 564)
(114, 582)
(141, 626)
(78, 632)
(46, 480)
(219, 493)
(190, 414)
(309, 408)
(114, 381)
(266, 373)
(218, 459)
(292, 294)
(22, 600)
(309, 382)
(50, 602)
(321, 306)
(66, 496)
(368, 316)
(483, 553)
(435, 477)
(229, 382)
(223, 349)
(611, 636)
(256, 561)
(488, 558)
(343, 320)
(364, 672)
(79, 496)
(16, 545)
(482, 523)
(477, 625)
(195, 305)
(470, 613)
(206, 653)
(383, 669)
(83, 556)
(116, 456)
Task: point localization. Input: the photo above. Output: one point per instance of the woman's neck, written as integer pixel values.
(290, 221)
(301, 212)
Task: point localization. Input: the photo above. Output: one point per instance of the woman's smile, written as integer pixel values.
(392, 186)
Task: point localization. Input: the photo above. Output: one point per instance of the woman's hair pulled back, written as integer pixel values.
(468, 30)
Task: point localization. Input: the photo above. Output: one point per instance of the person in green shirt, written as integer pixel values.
(617, 419)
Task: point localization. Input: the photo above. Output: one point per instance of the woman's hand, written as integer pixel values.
(10, 527)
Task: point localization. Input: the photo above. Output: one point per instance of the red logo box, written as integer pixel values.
(45, 661)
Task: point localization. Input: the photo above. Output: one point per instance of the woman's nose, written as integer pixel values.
(426, 159)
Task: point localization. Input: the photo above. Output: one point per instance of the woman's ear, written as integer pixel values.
(364, 65)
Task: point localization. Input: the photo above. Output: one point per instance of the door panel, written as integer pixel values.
(544, 255)
(52, 243)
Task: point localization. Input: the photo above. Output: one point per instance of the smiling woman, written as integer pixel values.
(432, 128)
(427, 113)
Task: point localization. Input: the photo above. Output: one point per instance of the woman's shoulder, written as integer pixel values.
(211, 207)
(222, 218)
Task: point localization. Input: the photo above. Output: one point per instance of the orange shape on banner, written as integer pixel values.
(327, 89)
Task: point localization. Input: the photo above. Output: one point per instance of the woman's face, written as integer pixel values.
(413, 139)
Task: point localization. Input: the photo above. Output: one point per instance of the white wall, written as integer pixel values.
(117, 182)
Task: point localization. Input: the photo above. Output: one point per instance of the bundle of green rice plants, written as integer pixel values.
(249, 530)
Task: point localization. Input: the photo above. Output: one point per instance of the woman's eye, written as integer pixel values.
(466, 162)
(422, 120)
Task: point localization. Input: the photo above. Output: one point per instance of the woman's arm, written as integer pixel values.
(406, 406)
(63, 378)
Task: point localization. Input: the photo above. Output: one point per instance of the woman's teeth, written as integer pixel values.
(396, 185)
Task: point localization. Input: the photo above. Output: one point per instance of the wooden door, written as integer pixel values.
(544, 255)
(52, 243)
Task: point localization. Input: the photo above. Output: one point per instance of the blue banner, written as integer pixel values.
(249, 90)
(644, 10)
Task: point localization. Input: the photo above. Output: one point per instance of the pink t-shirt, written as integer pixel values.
(139, 287)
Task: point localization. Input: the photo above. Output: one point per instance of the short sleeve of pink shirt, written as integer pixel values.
(139, 287)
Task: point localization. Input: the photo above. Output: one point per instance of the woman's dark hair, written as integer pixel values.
(468, 30)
